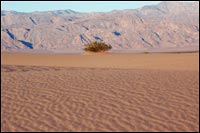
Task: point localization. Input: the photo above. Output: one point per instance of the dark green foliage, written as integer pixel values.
(97, 47)
(146, 52)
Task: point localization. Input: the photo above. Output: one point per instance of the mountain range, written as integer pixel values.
(165, 25)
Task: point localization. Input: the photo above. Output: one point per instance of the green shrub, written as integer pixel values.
(97, 47)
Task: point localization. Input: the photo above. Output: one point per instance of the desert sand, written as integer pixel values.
(100, 92)
(158, 61)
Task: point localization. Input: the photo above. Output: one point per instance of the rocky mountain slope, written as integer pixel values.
(168, 24)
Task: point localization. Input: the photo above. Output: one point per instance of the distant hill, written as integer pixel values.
(166, 25)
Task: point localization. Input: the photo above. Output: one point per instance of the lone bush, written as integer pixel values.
(97, 47)
(146, 52)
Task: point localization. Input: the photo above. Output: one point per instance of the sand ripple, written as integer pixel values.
(98, 99)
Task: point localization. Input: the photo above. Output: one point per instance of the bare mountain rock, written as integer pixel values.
(166, 25)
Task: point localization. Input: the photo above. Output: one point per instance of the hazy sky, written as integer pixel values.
(87, 6)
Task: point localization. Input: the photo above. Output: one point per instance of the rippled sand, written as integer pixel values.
(42, 98)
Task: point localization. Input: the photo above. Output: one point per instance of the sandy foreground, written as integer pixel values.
(100, 92)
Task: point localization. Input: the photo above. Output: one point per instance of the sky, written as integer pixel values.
(79, 6)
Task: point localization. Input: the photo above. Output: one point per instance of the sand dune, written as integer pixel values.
(172, 61)
(71, 98)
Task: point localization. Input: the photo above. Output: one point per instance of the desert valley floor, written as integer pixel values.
(100, 92)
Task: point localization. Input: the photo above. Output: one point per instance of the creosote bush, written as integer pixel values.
(97, 47)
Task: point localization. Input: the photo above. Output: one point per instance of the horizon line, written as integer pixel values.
(149, 3)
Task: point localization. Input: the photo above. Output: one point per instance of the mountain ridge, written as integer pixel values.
(165, 25)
